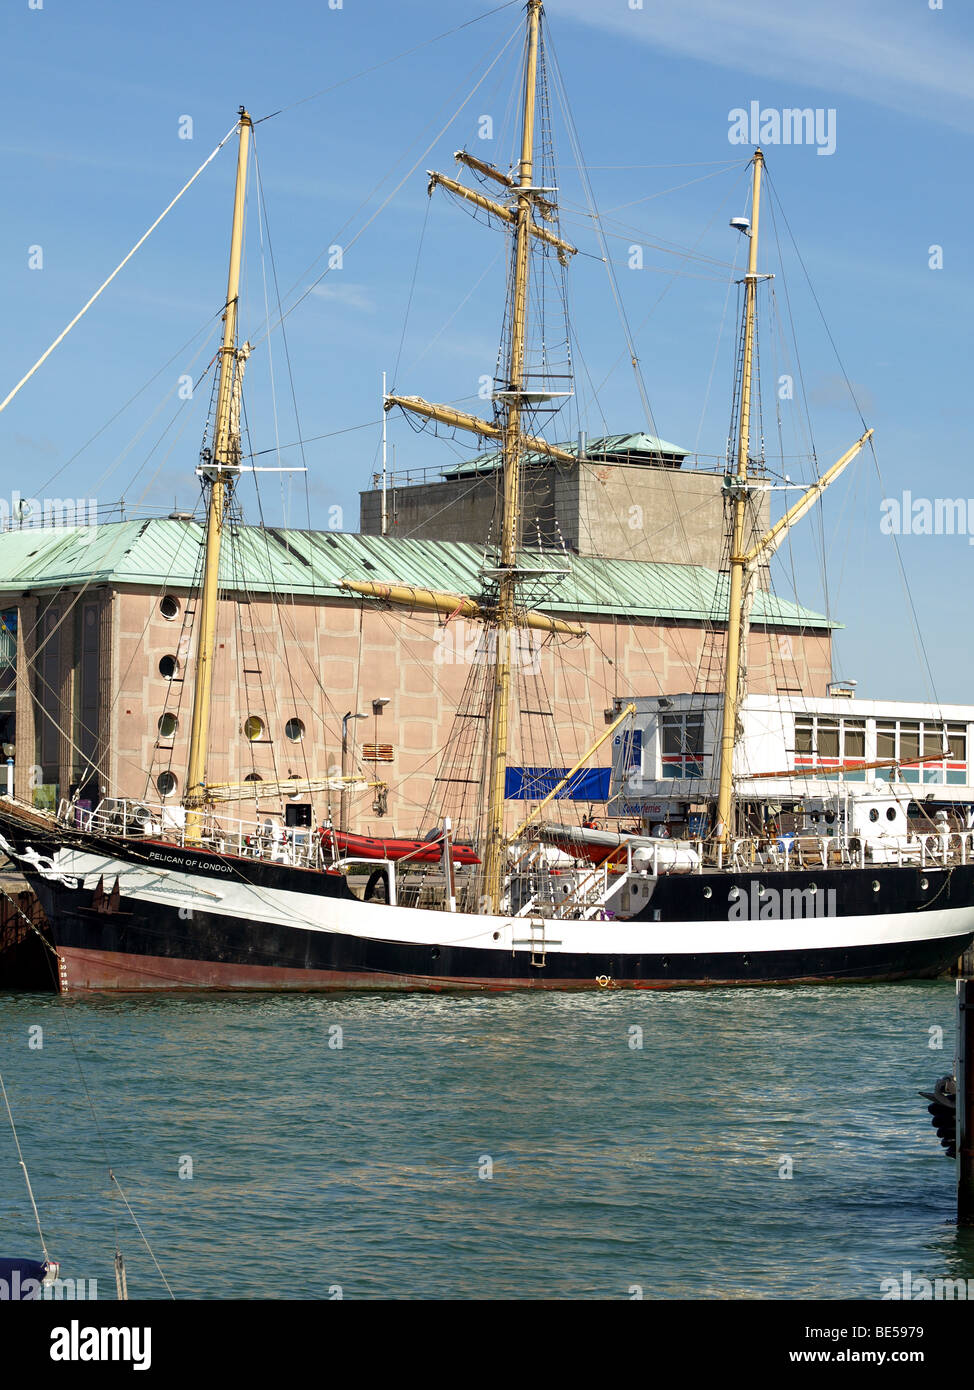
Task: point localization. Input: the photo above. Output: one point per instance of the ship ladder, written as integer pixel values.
(537, 941)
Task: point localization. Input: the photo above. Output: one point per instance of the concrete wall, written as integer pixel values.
(618, 511)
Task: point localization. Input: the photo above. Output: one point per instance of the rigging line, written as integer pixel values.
(590, 199)
(261, 221)
(20, 1159)
(387, 61)
(121, 410)
(917, 632)
(385, 203)
(692, 164)
(466, 299)
(284, 341)
(662, 193)
(713, 364)
(666, 288)
(145, 236)
(141, 1232)
(412, 291)
(811, 287)
(314, 438)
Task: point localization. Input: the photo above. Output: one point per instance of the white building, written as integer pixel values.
(665, 766)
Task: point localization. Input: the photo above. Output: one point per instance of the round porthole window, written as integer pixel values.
(168, 724)
(166, 783)
(875, 885)
(708, 892)
(891, 813)
(169, 607)
(294, 729)
(253, 728)
(924, 883)
(169, 668)
(874, 814)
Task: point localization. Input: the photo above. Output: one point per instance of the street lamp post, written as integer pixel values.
(343, 802)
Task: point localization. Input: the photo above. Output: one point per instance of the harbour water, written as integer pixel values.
(598, 1145)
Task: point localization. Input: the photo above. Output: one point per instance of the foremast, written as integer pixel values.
(219, 472)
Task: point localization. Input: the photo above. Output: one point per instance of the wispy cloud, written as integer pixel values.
(347, 293)
(900, 55)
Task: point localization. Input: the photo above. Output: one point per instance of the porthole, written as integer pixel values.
(924, 883)
(253, 728)
(169, 607)
(708, 892)
(875, 885)
(497, 936)
(874, 814)
(166, 783)
(891, 813)
(733, 895)
(168, 724)
(829, 817)
(435, 952)
(169, 668)
(294, 729)
(759, 888)
(813, 888)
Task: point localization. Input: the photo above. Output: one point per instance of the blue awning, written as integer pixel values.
(535, 783)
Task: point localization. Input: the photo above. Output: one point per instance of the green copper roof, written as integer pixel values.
(162, 553)
(607, 448)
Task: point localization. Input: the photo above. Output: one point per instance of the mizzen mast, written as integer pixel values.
(740, 491)
(219, 470)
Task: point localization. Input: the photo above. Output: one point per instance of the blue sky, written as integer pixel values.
(93, 96)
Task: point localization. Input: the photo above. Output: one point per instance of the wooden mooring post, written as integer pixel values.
(965, 1102)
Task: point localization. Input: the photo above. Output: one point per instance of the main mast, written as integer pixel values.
(495, 845)
(740, 492)
(219, 472)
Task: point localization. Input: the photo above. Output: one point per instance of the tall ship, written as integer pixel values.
(140, 897)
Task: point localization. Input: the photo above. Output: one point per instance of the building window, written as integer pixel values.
(294, 728)
(253, 777)
(168, 724)
(166, 783)
(253, 728)
(169, 668)
(828, 742)
(923, 751)
(169, 607)
(681, 744)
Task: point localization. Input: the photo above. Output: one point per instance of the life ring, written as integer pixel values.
(375, 878)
